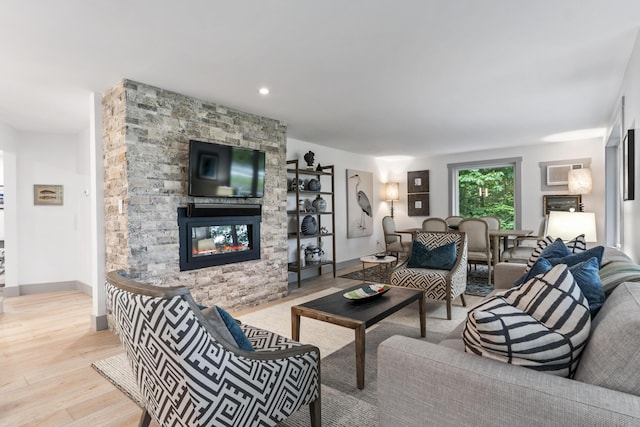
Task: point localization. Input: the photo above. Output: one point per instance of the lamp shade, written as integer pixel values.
(580, 181)
(392, 191)
(567, 225)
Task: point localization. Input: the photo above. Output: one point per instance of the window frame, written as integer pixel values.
(515, 162)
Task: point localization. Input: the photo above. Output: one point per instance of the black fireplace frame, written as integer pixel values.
(200, 215)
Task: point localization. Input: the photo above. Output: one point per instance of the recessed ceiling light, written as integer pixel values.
(264, 91)
(575, 135)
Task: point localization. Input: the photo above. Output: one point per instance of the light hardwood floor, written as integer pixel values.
(46, 351)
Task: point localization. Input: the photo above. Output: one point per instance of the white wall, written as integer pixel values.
(532, 194)
(8, 143)
(346, 249)
(631, 209)
(53, 243)
(384, 171)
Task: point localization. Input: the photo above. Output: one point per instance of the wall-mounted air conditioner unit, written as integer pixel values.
(559, 174)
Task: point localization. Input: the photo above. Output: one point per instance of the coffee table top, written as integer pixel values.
(375, 260)
(368, 311)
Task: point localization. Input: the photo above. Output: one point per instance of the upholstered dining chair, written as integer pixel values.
(523, 246)
(394, 244)
(453, 221)
(190, 371)
(437, 284)
(492, 221)
(435, 224)
(479, 244)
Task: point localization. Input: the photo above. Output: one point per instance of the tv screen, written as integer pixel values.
(217, 170)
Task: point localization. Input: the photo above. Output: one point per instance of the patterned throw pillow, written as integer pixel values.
(543, 324)
(558, 248)
(440, 258)
(614, 273)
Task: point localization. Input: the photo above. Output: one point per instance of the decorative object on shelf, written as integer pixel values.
(359, 212)
(320, 204)
(324, 230)
(309, 225)
(301, 205)
(302, 255)
(299, 185)
(319, 168)
(309, 158)
(312, 254)
(392, 191)
(323, 255)
(314, 185)
(308, 206)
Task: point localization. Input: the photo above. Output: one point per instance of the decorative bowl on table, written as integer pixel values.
(380, 255)
(366, 291)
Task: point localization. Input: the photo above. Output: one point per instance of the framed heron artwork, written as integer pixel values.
(359, 201)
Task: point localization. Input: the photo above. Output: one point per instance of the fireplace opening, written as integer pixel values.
(214, 234)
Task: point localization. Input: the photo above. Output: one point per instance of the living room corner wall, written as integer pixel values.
(146, 139)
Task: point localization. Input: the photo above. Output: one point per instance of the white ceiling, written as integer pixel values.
(380, 77)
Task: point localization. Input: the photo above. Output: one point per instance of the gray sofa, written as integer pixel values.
(421, 384)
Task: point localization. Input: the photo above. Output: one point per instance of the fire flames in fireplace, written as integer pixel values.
(219, 239)
(216, 235)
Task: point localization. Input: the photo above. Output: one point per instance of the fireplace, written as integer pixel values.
(217, 234)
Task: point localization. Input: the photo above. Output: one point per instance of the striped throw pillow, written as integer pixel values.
(574, 246)
(614, 273)
(543, 324)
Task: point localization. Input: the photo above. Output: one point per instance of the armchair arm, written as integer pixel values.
(426, 383)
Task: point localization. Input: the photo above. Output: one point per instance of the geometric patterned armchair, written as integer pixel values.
(190, 374)
(442, 285)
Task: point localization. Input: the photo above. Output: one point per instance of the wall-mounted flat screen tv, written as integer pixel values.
(217, 170)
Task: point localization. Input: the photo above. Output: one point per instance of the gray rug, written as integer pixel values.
(476, 278)
(343, 405)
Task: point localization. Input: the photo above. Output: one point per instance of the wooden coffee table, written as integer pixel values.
(338, 310)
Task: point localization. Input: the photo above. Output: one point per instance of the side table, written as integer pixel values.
(372, 259)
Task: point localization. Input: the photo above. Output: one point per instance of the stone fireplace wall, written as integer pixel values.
(146, 142)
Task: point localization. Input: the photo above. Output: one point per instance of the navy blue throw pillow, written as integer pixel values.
(579, 257)
(586, 275)
(440, 258)
(235, 330)
(541, 266)
(555, 250)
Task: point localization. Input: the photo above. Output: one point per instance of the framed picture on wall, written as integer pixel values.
(569, 202)
(418, 204)
(418, 182)
(48, 195)
(628, 164)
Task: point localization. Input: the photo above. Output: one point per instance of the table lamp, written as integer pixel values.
(567, 225)
(392, 193)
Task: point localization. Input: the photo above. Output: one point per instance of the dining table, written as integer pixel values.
(496, 235)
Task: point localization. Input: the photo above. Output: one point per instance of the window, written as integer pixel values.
(490, 187)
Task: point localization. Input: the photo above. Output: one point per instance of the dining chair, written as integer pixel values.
(190, 369)
(523, 246)
(453, 221)
(492, 221)
(435, 224)
(393, 241)
(478, 242)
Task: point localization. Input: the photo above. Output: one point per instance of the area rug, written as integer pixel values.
(343, 405)
(476, 278)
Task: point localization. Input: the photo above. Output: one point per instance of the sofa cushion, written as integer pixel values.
(585, 274)
(579, 257)
(612, 358)
(613, 273)
(543, 324)
(439, 258)
(553, 248)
